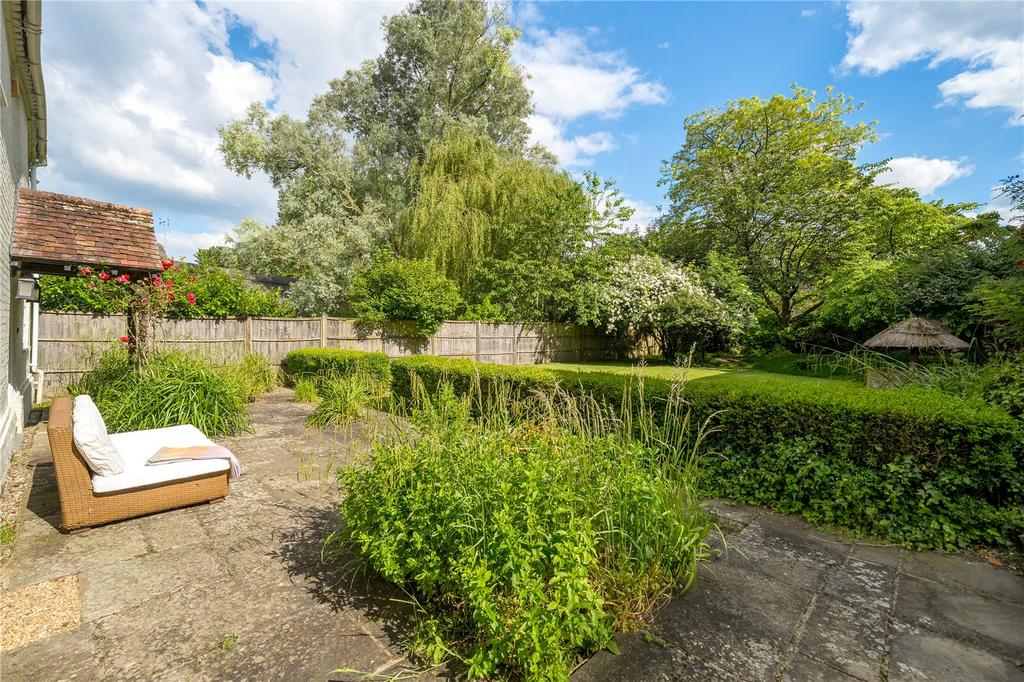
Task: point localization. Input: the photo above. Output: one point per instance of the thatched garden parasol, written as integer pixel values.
(915, 334)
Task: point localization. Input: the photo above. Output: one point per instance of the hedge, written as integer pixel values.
(320, 362)
(911, 466)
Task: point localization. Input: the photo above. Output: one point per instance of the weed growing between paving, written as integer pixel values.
(529, 531)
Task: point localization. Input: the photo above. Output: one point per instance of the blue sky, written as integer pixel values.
(136, 91)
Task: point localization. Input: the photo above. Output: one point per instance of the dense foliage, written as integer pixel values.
(528, 535)
(218, 294)
(646, 297)
(960, 461)
(172, 389)
(403, 289)
(331, 362)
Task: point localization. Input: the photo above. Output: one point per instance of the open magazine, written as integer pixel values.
(167, 455)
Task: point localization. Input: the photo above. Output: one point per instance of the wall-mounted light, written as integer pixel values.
(28, 289)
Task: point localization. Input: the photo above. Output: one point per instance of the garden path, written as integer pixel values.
(238, 590)
(785, 601)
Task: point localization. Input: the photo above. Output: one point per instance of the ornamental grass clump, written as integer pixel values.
(252, 376)
(305, 391)
(528, 531)
(168, 389)
(344, 399)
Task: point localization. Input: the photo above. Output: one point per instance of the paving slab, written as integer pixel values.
(244, 590)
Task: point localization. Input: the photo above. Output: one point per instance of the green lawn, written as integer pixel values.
(781, 368)
(660, 371)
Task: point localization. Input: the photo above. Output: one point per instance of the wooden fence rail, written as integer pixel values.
(70, 343)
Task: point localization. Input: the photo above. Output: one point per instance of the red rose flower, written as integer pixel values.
(191, 298)
(124, 279)
(167, 264)
(169, 284)
(157, 280)
(104, 276)
(85, 272)
(124, 339)
(170, 297)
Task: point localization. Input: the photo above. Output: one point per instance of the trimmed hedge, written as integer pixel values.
(911, 466)
(326, 362)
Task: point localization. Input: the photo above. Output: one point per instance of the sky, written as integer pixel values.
(136, 91)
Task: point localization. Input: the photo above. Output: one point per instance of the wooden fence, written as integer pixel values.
(70, 343)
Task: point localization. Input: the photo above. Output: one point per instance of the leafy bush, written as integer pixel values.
(960, 460)
(170, 389)
(335, 362)
(394, 289)
(529, 535)
(1005, 386)
(305, 391)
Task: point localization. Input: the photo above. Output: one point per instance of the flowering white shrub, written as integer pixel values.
(648, 297)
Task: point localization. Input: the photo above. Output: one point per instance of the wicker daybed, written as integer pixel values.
(82, 507)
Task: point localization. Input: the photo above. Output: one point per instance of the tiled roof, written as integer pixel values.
(62, 229)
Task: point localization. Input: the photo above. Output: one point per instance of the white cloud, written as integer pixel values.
(805, 13)
(985, 36)
(569, 81)
(313, 42)
(922, 174)
(643, 213)
(180, 244)
(664, 46)
(1000, 202)
(135, 94)
(578, 150)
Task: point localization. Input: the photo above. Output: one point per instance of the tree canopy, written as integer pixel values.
(774, 183)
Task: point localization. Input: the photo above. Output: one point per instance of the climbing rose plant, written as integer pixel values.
(142, 299)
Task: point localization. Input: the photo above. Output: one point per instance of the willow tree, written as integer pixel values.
(503, 225)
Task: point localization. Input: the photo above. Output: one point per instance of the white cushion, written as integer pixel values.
(136, 447)
(90, 436)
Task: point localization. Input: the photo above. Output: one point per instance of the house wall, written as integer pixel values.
(15, 392)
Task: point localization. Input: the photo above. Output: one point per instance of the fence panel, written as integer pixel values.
(70, 343)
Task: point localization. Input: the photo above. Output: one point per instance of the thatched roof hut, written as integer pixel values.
(916, 334)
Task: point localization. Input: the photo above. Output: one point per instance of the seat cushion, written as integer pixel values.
(90, 435)
(136, 447)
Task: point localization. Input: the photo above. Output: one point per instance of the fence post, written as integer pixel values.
(478, 340)
(323, 331)
(247, 335)
(515, 343)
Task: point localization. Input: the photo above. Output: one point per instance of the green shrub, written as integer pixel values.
(335, 362)
(170, 389)
(400, 289)
(959, 461)
(529, 535)
(305, 391)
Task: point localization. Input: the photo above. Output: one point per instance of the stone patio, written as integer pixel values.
(238, 590)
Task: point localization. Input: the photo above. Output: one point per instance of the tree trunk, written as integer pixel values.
(141, 333)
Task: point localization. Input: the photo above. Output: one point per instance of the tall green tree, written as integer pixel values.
(446, 62)
(774, 183)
